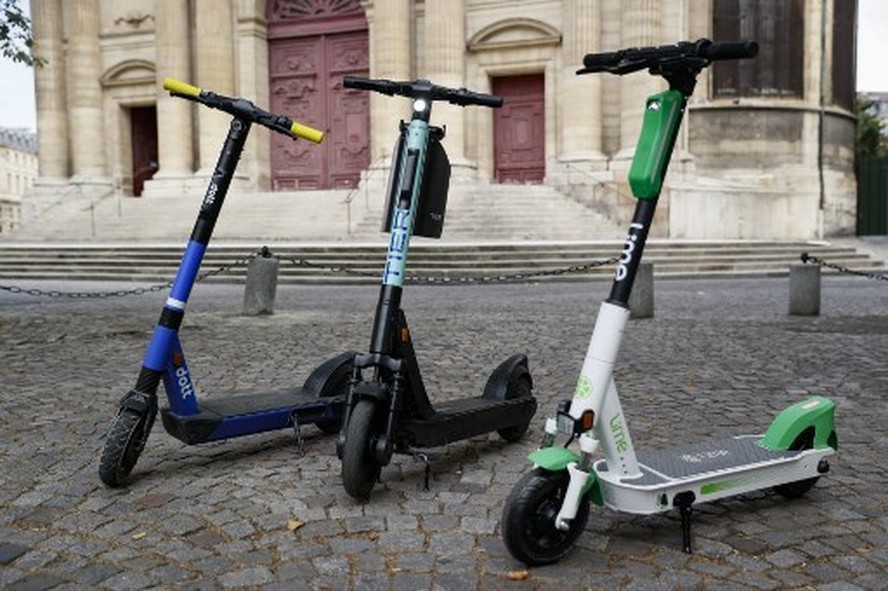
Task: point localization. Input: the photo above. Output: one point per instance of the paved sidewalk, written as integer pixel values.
(720, 357)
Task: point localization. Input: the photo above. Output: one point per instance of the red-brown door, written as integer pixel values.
(143, 128)
(519, 138)
(306, 85)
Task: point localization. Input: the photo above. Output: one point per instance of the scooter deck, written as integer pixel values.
(246, 414)
(688, 462)
(456, 420)
(710, 470)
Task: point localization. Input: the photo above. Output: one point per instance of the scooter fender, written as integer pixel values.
(555, 459)
(513, 368)
(319, 381)
(816, 412)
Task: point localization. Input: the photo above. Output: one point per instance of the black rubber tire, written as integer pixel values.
(528, 522)
(793, 490)
(519, 388)
(360, 472)
(123, 446)
(336, 385)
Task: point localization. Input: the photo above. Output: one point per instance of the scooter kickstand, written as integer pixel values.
(300, 442)
(428, 467)
(684, 501)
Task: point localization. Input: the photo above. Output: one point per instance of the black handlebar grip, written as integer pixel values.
(729, 51)
(487, 100)
(602, 60)
(362, 83)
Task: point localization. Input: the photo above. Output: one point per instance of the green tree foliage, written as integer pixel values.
(871, 140)
(16, 41)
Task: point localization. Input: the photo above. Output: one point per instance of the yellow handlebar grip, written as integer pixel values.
(307, 133)
(180, 87)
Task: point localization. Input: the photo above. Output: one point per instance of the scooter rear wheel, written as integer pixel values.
(528, 522)
(519, 388)
(793, 490)
(336, 386)
(359, 468)
(123, 446)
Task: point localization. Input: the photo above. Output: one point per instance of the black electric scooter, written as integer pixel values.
(388, 409)
(322, 396)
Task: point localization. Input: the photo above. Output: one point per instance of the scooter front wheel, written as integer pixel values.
(123, 446)
(360, 471)
(528, 523)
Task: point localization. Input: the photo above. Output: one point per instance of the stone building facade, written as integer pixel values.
(18, 169)
(766, 150)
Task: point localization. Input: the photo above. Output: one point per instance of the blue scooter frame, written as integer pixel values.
(322, 396)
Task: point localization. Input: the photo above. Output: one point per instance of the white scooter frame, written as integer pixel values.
(548, 508)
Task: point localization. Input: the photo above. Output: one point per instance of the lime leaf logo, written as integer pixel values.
(584, 388)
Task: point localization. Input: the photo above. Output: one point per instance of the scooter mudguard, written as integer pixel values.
(816, 412)
(318, 383)
(554, 459)
(513, 368)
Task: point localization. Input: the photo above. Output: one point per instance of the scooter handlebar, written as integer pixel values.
(423, 88)
(729, 51)
(243, 109)
(703, 51)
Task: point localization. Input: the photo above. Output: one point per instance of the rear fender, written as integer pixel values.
(816, 412)
(324, 377)
(513, 368)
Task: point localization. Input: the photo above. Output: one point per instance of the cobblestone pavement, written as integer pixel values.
(720, 357)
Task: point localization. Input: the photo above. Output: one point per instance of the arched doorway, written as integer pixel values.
(312, 45)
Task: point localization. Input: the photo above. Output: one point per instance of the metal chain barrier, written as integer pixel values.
(74, 295)
(807, 258)
(301, 262)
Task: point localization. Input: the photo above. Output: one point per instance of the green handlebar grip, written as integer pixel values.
(180, 87)
(307, 133)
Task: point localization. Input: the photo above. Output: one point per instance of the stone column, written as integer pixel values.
(86, 129)
(252, 83)
(390, 51)
(213, 40)
(444, 38)
(579, 99)
(52, 116)
(640, 25)
(174, 124)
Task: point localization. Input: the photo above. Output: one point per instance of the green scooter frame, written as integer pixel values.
(549, 506)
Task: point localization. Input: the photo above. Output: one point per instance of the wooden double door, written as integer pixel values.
(306, 85)
(519, 131)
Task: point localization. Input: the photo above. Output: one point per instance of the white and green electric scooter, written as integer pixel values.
(548, 508)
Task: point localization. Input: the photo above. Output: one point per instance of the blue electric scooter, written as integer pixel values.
(321, 398)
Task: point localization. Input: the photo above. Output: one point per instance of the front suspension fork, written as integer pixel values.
(579, 479)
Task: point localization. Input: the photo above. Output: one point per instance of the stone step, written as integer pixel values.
(545, 261)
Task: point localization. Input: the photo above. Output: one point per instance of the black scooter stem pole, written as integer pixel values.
(386, 311)
(220, 181)
(627, 267)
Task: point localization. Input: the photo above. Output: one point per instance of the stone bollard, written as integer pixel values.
(262, 274)
(804, 290)
(641, 300)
